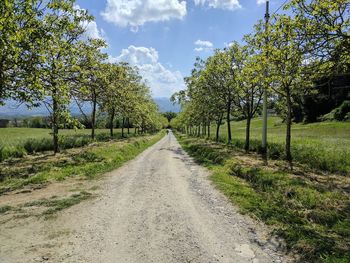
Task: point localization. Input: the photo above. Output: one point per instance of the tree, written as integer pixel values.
(249, 76)
(91, 79)
(287, 71)
(59, 69)
(220, 75)
(169, 115)
(21, 41)
(323, 25)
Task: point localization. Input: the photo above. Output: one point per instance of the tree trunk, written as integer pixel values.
(228, 119)
(128, 119)
(55, 123)
(209, 130)
(218, 124)
(111, 123)
(199, 131)
(93, 117)
(289, 126)
(123, 123)
(247, 134)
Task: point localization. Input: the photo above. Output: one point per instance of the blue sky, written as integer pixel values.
(163, 37)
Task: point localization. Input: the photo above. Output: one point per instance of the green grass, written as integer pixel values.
(89, 163)
(18, 136)
(313, 218)
(324, 145)
(17, 142)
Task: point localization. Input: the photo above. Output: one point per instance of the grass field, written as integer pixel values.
(18, 142)
(16, 136)
(324, 145)
(323, 133)
(310, 211)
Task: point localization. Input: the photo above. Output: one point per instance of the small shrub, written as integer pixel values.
(87, 157)
(342, 111)
(38, 145)
(7, 152)
(4, 209)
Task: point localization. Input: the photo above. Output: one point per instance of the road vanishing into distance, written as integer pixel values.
(159, 207)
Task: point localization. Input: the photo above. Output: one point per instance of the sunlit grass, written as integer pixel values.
(17, 136)
(324, 145)
(89, 163)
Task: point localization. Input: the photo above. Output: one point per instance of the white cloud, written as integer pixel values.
(203, 45)
(163, 81)
(135, 13)
(222, 4)
(260, 2)
(91, 28)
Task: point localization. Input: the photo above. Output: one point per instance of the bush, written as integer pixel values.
(11, 152)
(68, 142)
(341, 113)
(38, 145)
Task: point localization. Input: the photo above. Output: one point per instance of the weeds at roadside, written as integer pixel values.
(55, 205)
(4, 209)
(88, 163)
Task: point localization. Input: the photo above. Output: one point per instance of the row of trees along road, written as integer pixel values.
(46, 58)
(310, 41)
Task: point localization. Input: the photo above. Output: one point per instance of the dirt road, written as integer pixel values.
(160, 207)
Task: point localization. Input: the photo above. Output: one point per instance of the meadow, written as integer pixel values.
(18, 142)
(324, 145)
(17, 136)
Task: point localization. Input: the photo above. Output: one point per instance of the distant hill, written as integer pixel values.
(165, 105)
(12, 109)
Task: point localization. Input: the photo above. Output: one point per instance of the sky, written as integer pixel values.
(163, 37)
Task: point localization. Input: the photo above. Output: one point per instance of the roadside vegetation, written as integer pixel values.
(85, 163)
(310, 211)
(19, 142)
(321, 146)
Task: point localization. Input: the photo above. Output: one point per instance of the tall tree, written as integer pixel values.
(324, 26)
(59, 70)
(288, 75)
(21, 41)
(220, 74)
(249, 76)
(91, 79)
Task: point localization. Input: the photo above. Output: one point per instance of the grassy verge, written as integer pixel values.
(324, 146)
(312, 217)
(86, 163)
